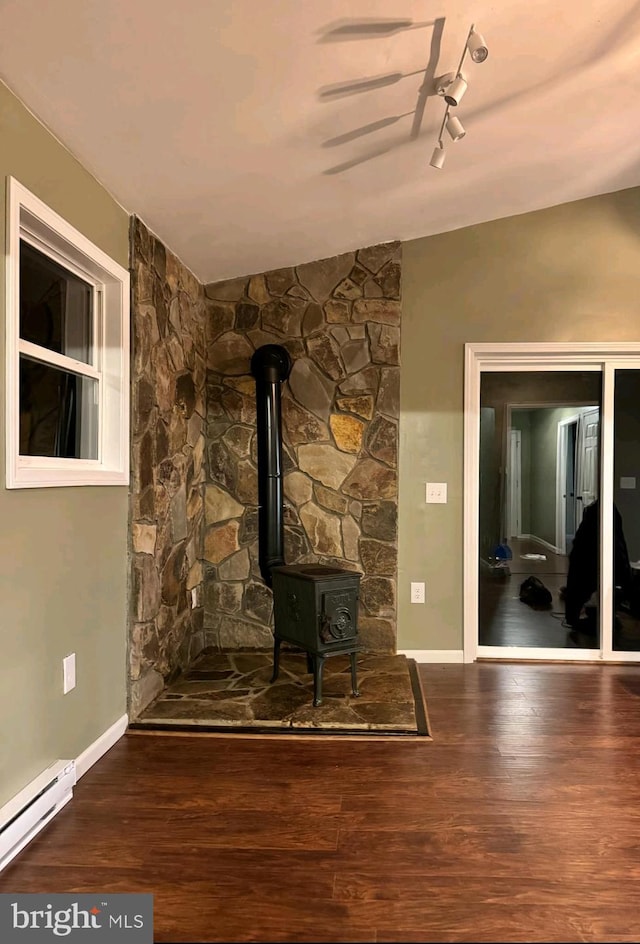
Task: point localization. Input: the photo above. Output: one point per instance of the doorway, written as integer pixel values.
(540, 463)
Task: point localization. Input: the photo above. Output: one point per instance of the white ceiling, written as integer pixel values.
(210, 119)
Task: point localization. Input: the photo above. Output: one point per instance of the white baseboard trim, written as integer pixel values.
(100, 746)
(534, 537)
(433, 655)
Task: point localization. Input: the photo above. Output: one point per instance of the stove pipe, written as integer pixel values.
(270, 365)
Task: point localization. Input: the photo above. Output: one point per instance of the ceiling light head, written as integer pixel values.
(455, 128)
(477, 47)
(454, 93)
(438, 156)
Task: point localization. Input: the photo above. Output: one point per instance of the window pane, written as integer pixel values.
(56, 307)
(58, 412)
(539, 522)
(626, 511)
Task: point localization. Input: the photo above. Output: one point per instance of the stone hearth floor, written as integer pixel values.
(231, 691)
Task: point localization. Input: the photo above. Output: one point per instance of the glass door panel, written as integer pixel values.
(539, 520)
(626, 512)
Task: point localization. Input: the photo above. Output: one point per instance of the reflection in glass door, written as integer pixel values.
(539, 517)
(626, 515)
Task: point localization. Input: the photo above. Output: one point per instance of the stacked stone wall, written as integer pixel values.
(168, 389)
(339, 319)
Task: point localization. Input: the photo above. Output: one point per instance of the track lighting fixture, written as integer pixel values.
(452, 86)
(455, 128)
(438, 156)
(477, 46)
(454, 93)
(443, 83)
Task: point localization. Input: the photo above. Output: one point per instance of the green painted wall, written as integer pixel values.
(565, 273)
(63, 551)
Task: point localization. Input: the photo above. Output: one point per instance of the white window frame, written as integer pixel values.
(30, 220)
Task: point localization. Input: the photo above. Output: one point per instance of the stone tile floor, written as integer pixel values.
(227, 690)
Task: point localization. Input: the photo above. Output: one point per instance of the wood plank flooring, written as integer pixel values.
(503, 620)
(519, 821)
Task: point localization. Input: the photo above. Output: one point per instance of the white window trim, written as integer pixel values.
(30, 219)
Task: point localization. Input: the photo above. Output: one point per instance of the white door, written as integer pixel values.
(587, 459)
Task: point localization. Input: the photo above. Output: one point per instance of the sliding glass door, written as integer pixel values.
(552, 502)
(626, 511)
(538, 536)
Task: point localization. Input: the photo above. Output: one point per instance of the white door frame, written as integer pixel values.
(514, 480)
(602, 357)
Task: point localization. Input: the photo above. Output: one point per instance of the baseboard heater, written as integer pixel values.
(26, 814)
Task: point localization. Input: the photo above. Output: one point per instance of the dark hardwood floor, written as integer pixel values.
(519, 821)
(503, 620)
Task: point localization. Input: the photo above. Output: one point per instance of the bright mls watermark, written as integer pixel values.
(80, 918)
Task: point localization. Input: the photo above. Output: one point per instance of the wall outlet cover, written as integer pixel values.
(436, 493)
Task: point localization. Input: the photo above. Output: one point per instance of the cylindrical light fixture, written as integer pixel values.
(455, 128)
(438, 156)
(477, 47)
(454, 93)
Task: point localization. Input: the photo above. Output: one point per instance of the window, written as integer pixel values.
(67, 316)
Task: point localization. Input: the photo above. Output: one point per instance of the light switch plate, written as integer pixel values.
(436, 493)
(628, 481)
(69, 673)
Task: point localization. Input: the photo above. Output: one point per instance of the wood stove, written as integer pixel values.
(315, 606)
(316, 609)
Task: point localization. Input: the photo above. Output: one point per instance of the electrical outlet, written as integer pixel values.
(68, 673)
(417, 592)
(436, 493)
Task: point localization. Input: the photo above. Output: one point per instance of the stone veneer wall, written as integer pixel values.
(167, 474)
(339, 319)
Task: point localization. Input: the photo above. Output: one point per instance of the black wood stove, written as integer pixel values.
(315, 606)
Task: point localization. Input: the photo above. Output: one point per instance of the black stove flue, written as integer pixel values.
(270, 365)
(315, 606)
